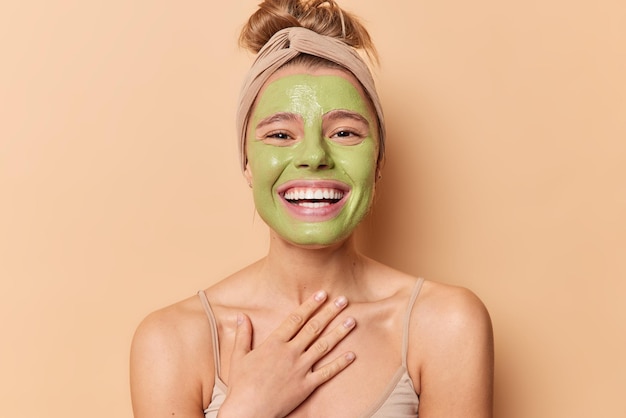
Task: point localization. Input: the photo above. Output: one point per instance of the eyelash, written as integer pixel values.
(281, 135)
(345, 133)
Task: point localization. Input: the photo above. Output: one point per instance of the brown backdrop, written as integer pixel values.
(120, 187)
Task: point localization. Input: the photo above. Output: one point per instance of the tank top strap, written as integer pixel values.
(407, 319)
(214, 335)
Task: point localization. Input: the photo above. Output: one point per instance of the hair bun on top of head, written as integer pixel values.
(322, 16)
(280, 31)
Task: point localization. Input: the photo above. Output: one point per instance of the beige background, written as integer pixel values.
(120, 187)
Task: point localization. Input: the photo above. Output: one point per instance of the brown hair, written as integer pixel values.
(322, 16)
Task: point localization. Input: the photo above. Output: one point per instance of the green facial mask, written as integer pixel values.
(312, 155)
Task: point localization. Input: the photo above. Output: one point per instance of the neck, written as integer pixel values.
(294, 272)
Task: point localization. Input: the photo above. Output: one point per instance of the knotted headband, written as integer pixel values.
(284, 46)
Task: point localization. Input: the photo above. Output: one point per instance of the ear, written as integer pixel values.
(379, 174)
(248, 174)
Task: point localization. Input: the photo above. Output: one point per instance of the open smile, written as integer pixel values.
(313, 197)
(314, 201)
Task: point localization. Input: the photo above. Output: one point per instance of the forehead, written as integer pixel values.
(310, 93)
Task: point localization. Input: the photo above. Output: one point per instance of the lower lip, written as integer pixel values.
(320, 214)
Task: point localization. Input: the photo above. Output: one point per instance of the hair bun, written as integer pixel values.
(322, 16)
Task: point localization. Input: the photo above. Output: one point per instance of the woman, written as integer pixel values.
(314, 329)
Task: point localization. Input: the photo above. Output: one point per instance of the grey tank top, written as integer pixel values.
(399, 399)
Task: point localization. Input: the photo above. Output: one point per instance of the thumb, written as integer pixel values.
(243, 336)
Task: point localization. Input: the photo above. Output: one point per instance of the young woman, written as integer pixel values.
(314, 329)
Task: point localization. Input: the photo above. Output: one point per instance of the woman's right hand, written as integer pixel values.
(278, 375)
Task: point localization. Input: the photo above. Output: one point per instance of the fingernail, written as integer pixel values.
(320, 296)
(239, 319)
(341, 301)
(349, 322)
(350, 356)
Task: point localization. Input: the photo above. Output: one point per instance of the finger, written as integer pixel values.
(243, 337)
(294, 322)
(330, 370)
(314, 326)
(322, 346)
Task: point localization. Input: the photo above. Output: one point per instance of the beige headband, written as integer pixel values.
(284, 46)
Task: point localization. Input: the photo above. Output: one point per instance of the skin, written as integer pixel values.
(309, 129)
(271, 328)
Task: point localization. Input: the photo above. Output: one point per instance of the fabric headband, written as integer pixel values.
(284, 46)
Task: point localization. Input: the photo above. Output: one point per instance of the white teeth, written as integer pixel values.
(302, 193)
(313, 205)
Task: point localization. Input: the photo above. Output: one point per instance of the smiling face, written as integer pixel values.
(312, 152)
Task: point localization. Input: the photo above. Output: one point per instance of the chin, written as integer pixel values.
(315, 241)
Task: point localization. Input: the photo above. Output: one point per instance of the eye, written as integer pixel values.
(347, 136)
(345, 127)
(279, 129)
(278, 135)
(344, 134)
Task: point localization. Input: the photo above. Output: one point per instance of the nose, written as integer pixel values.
(313, 153)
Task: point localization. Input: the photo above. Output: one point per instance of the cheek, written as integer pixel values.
(360, 164)
(266, 164)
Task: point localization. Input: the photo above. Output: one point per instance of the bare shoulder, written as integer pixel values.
(450, 309)
(449, 319)
(451, 352)
(170, 362)
(173, 327)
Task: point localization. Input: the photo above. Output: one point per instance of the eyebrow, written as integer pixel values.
(346, 114)
(278, 117)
